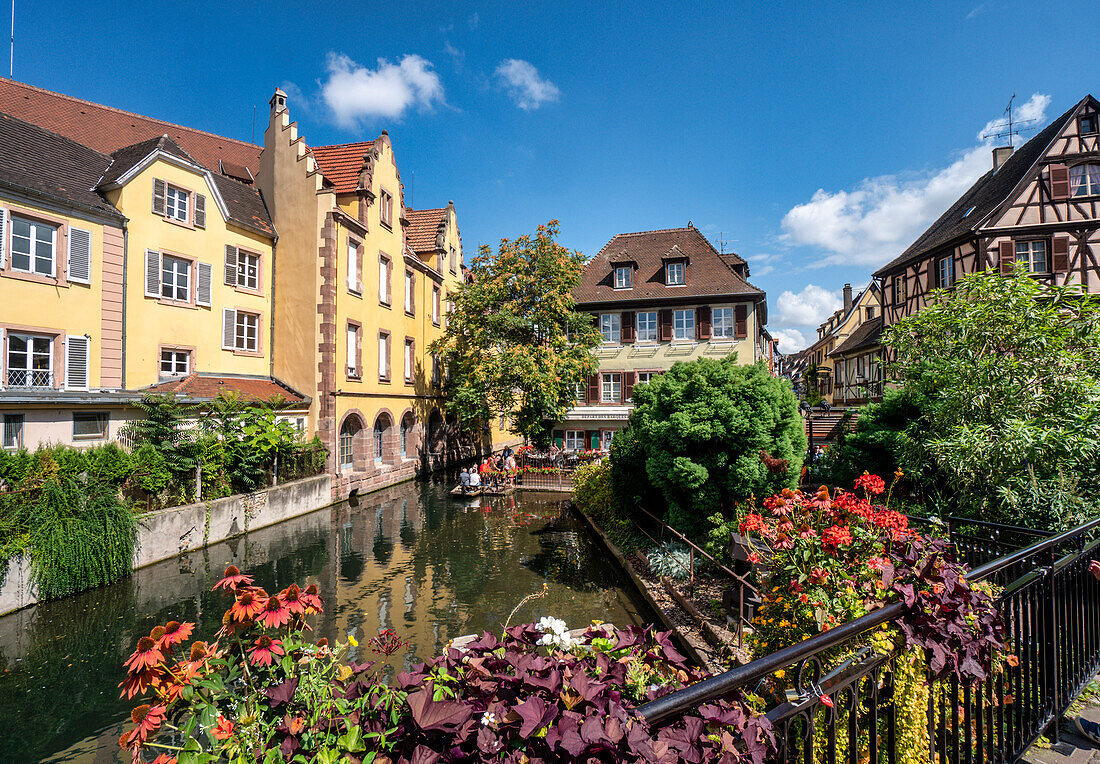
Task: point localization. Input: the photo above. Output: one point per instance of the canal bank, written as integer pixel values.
(408, 557)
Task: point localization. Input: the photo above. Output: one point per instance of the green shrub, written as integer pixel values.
(109, 463)
(594, 496)
(150, 472)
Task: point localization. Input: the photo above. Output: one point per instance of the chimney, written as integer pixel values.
(847, 297)
(278, 101)
(1000, 156)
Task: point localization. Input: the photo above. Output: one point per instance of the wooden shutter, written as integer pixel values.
(200, 211)
(160, 191)
(1059, 182)
(229, 329)
(3, 237)
(930, 274)
(559, 439)
(80, 256)
(627, 327)
(592, 437)
(593, 389)
(231, 265)
(628, 384)
(664, 320)
(352, 350)
(702, 322)
(205, 286)
(1007, 257)
(76, 362)
(741, 321)
(152, 273)
(389, 374)
(1059, 248)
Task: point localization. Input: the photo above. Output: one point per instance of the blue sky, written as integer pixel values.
(818, 138)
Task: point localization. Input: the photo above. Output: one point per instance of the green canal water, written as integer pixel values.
(409, 558)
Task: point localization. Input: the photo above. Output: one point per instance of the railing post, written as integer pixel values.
(1050, 645)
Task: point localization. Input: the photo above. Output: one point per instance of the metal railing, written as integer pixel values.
(1052, 618)
(30, 378)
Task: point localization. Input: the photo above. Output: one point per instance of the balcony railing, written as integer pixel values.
(30, 378)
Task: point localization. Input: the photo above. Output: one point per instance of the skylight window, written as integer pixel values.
(967, 213)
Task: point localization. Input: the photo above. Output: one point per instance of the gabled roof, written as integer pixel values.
(46, 165)
(243, 202)
(425, 227)
(866, 335)
(710, 273)
(341, 163)
(984, 196)
(107, 129)
(204, 387)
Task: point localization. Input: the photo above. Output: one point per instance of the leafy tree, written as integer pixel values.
(1005, 371)
(514, 343)
(709, 434)
(875, 445)
(164, 427)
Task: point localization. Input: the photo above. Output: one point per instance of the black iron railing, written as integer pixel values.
(1052, 616)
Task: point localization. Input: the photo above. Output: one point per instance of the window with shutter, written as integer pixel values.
(1007, 257)
(80, 255)
(1059, 182)
(200, 211)
(229, 328)
(353, 350)
(593, 388)
(741, 316)
(353, 266)
(628, 386)
(160, 191)
(628, 326)
(665, 319)
(205, 286)
(1059, 252)
(76, 362)
(702, 326)
(152, 273)
(230, 265)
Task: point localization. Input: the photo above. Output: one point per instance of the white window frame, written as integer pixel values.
(246, 329)
(611, 387)
(437, 298)
(39, 378)
(945, 272)
(383, 280)
(383, 355)
(33, 229)
(623, 274)
(683, 324)
(723, 323)
(177, 203)
(647, 327)
(347, 449)
(574, 440)
(408, 291)
(100, 416)
(173, 358)
(13, 424)
(353, 267)
(248, 270)
(410, 361)
(675, 273)
(352, 350)
(649, 375)
(173, 280)
(606, 436)
(611, 327)
(378, 445)
(1086, 182)
(1026, 251)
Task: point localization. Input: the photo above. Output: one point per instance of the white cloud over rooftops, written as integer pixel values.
(355, 93)
(525, 85)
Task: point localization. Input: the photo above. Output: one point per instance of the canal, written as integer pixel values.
(410, 558)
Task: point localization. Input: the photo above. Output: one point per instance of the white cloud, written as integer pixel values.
(809, 307)
(1033, 110)
(790, 340)
(354, 92)
(880, 217)
(473, 21)
(525, 85)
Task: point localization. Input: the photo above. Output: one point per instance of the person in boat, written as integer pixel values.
(464, 479)
(475, 481)
(510, 468)
(484, 470)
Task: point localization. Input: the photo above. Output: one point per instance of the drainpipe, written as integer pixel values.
(125, 268)
(271, 321)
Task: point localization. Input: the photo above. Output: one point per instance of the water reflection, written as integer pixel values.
(409, 558)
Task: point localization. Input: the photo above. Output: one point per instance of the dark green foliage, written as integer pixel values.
(708, 434)
(874, 446)
(150, 469)
(593, 493)
(109, 463)
(164, 427)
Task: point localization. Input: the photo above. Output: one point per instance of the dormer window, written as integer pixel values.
(623, 277)
(674, 273)
(1089, 124)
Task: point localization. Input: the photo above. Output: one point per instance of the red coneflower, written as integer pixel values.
(146, 656)
(275, 613)
(265, 651)
(312, 599)
(176, 633)
(148, 720)
(234, 579)
(199, 650)
(137, 683)
(223, 729)
(250, 603)
(165, 759)
(292, 598)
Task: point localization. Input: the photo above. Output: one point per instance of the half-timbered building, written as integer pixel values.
(1038, 205)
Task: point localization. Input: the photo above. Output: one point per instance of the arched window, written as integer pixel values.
(406, 429)
(381, 437)
(1084, 180)
(348, 432)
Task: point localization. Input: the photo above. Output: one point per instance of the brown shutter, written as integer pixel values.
(628, 327)
(1008, 257)
(628, 384)
(930, 274)
(702, 322)
(1059, 182)
(593, 389)
(160, 191)
(1059, 248)
(741, 320)
(664, 320)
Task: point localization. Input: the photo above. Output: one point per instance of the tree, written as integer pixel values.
(876, 443)
(514, 342)
(1005, 371)
(708, 435)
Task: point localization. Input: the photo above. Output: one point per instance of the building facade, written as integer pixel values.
(659, 297)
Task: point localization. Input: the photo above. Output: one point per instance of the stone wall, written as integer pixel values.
(171, 532)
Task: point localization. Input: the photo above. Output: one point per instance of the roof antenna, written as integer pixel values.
(11, 61)
(253, 118)
(1012, 124)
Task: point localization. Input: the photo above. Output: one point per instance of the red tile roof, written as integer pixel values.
(424, 226)
(207, 387)
(341, 163)
(107, 129)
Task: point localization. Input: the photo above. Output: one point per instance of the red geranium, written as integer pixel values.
(836, 536)
(872, 484)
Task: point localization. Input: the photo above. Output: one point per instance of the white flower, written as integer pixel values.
(488, 718)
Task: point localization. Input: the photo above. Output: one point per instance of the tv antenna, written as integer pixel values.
(1012, 125)
(11, 60)
(723, 241)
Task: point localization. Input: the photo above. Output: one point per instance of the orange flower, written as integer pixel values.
(292, 598)
(138, 682)
(165, 759)
(175, 633)
(234, 579)
(275, 613)
(265, 650)
(250, 603)
(148, 720)
(224, 728)
(146, 656)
